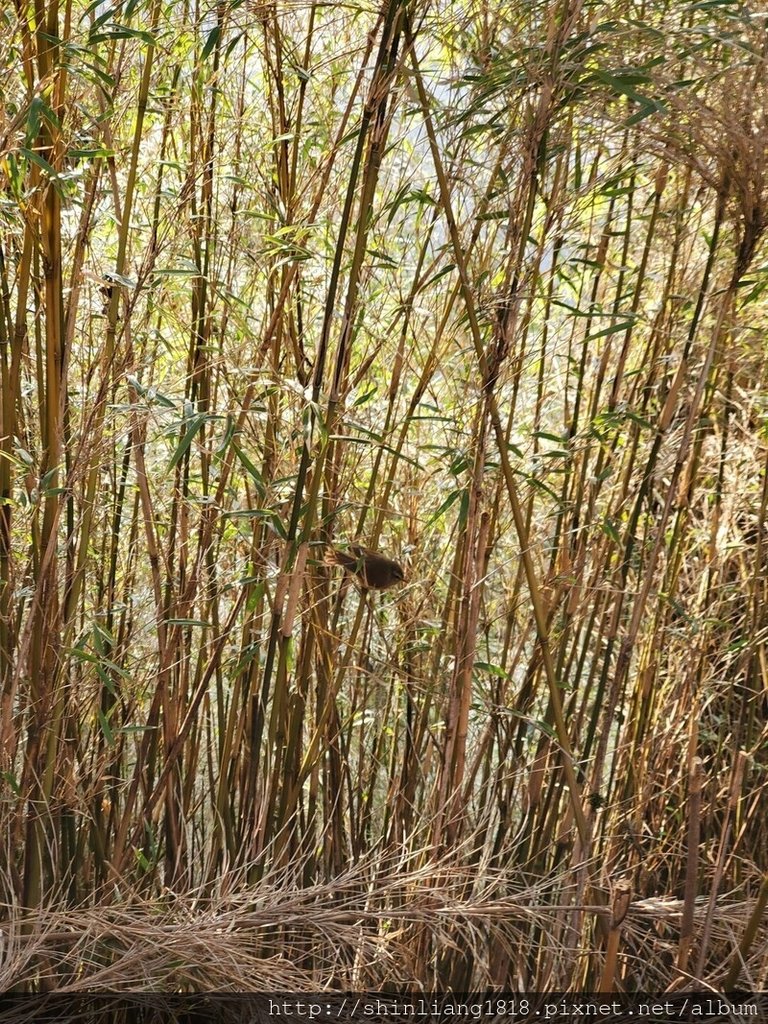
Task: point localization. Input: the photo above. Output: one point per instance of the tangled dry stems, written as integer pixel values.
(349, 935)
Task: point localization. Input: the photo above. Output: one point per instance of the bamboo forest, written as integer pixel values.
(383, 495)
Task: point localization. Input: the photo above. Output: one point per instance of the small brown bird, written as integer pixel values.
(373, 570)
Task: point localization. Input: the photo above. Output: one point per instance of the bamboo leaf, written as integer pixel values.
(210, 42)
(191, 428)
(106, 729)
(41, 162)
(449, 501)
(249, 467)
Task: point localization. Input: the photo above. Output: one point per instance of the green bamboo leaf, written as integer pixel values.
(41, 162)
(229, 433)
(494, 670)
(192, 428)
(450, 500)
(94, 152)
(12, 781)
(81, 655)
(103, 637)
(249, 467)
(610, 530)
(610, 330)
(115, 31)
(545, 436)
(106, 729)
(210, 42)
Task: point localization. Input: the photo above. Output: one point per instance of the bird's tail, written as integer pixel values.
(331, 557)
(334, 557)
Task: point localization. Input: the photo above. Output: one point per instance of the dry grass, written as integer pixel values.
(352, 934)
